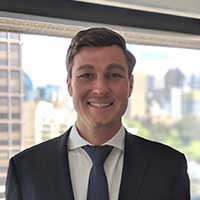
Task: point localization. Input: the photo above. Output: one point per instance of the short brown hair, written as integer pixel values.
(97, 37)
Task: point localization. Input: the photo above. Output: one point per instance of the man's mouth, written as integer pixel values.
(99, 105)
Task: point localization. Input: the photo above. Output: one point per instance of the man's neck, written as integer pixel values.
(97, 135)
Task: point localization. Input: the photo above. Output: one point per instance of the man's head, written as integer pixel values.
(100, 79)
(97, 37)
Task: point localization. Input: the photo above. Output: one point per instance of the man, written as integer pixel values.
(100, 81)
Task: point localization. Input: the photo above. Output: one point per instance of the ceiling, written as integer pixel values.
(173, 16)
(187, 8)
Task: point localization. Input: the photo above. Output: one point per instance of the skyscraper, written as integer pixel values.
(11, 97)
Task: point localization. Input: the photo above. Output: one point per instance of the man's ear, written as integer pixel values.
(69, 85)
(131, 84)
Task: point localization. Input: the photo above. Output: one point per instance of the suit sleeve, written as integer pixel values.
(12, 184)
(181, 185)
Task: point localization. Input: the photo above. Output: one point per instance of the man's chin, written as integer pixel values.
(99, 122)
(103, 123)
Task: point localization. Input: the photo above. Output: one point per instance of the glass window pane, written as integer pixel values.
(3, 35)
(165, 104)
(3, 81)
(3, 47)
(3, 128)
(3, 108)
(3, 53)
(16, 107)
(15, 54)
(15, 81)
(14, 36)
(16, 127)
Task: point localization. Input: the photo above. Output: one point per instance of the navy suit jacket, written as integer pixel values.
(151, 171)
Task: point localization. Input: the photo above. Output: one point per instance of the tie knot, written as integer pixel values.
(98, 154)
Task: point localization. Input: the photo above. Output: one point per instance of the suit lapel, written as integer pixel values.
(134, 168)
(136, 161)
(60, 173)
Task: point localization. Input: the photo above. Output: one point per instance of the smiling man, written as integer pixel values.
(100, 86)
(97, 159)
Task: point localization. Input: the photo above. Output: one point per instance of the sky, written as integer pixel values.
(43, 59)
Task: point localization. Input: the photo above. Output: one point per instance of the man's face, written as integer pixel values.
(100, 86)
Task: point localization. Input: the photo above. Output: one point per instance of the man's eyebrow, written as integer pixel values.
(85, 67)
(116, 66)
(110, 67)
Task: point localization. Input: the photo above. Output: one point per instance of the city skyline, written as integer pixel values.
(48, 67)
(41, 62)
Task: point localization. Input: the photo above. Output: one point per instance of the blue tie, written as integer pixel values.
(98, 186)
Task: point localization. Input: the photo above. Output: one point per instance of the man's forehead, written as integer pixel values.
(111, 66)
(93, 48)
(103, 52)
(100, 58)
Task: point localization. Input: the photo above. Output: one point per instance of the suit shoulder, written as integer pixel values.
(156, 148)
(41, 149)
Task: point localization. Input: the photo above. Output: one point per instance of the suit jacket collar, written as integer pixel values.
(135, 164)
(62, 177)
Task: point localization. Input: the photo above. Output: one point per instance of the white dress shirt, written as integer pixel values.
(80, 164)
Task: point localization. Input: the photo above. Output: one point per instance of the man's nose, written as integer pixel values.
(101, 86)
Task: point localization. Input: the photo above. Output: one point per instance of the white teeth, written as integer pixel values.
(100, 105)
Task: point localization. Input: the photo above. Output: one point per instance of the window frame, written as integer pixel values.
(32, 24)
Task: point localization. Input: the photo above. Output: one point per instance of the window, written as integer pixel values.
(3, 47)
(16, 127)
(4, 142)
(16, 142)
(3, 128)
(15, 54)
(3, 107)
(14, 36)
(3, 35)
(3, 54)
(15, 138)
(3, 81)
(16, 108)
(164, 106)
(15, 81)
(3, 74)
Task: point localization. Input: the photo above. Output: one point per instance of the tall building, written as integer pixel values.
(174, 78)
(28, 88)
(195, 81)
(11, 97)
(51, 120)
(138, 103)
(46, 115)
(191, 103)
(176, 103)
(49, 93)
(28, 129)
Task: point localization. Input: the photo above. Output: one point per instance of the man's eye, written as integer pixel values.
(86, 75)
(116, 75)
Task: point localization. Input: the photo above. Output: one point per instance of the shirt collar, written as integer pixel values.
(76, 141)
